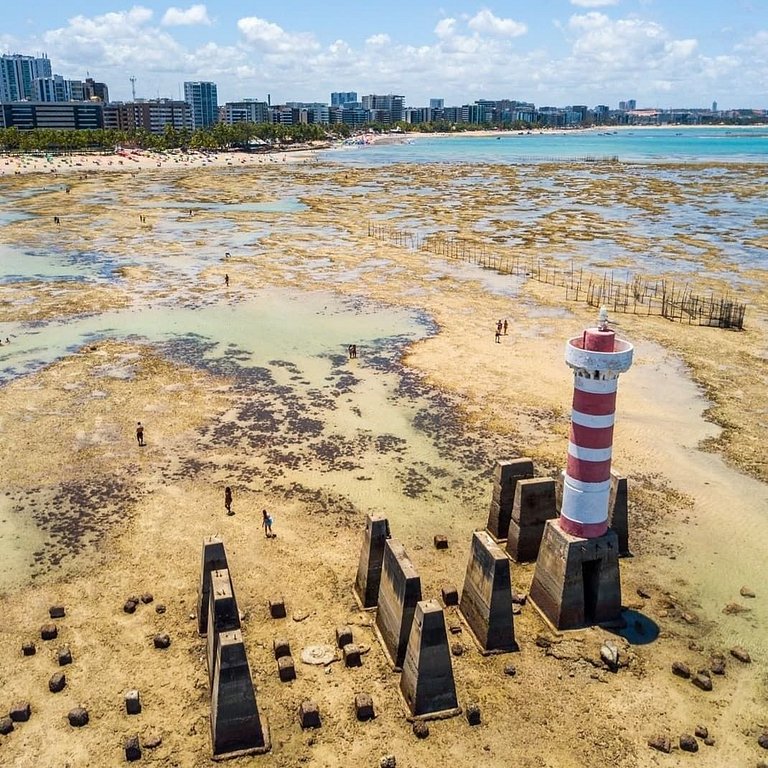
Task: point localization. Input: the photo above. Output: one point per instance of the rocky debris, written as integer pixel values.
(543, 641)
(132, 702)
(516, 610)
(733, 609)
(510, 670)
(473, 714)
(299, 616)
(457, 649)
(709, 741)
(364, 707)
(153, 741)
(762, 739)
(519, 598)
(689, 618)
(28, 649)
(747, 592)
(688, 743)
(420, 729)
(351, 655)
(309, 714)
(701, 732)
(609, 654)
(450, 595)
(441, 542)
(132, 748)
(49, 632)
(281, 647)
(147, 597)
(161, 641)
(700, 680)
(717, 665)
(78, 717)
(741, 654)
(277, 608)
(343, 636)
(286, 669)
(129, 606)
(20, 712)
(454, 629)
(318, 654)
(644, 593)
(57, 683)
(6, 725)
(660, 743)
(160, 608)
(64, 656)
(681, 670)
(56, 612)
(388, 761)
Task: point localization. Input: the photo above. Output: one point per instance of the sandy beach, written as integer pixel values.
(411, 429)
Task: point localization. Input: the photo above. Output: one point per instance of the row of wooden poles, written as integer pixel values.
(630, 294)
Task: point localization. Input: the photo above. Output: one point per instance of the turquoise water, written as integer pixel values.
(636, 145)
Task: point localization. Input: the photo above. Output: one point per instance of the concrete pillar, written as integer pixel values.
(371, 557)
(427, 680)
(486, 600)
(618, 512)
(237, 726)
(399, 592)
(223, 615)
(506, 474)
(214, 558)
(534, 505)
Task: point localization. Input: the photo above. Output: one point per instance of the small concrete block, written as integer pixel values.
(56, 612)
(160, 608)
(6, 725)
(388, 761)
(343, 636)
(286, 669)
(441, 542)
(57, 682)
(352, 656)
(132, 702)
(64, 656)
(20, 712)
(147, 597)
(132, 749)
(129, 606)
(309, 714)
(78, 717)
(49, 632)
(281, 647)
(450, 595)
(420, 729)
(28, 649)
(161, 641)
(473, 714)
(364, 707)
(277, 608)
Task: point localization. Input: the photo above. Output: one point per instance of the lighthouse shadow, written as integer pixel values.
(637, 629)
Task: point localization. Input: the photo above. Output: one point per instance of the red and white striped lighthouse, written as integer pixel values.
(597, 358)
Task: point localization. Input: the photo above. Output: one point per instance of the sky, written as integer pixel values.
(662, 53)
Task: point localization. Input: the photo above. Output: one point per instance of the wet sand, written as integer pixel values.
(122, 520)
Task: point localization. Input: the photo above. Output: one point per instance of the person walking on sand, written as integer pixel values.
(499, 326)
(506, 325)
(226, 280)
(498, 335)
(266, 523)
(140, 434)
(228, 500)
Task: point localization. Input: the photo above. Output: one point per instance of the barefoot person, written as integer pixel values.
(266, 523)
(228, 500)
(140, 433)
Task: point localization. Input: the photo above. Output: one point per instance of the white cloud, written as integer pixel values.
(445, 27)
(594, 3)
(271, 37)
(380, 39)
(195, 14)
(485, 22)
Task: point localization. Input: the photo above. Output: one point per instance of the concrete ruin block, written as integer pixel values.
(506, 474)
(28, 649)
(57, 683)
(309, 715)
(237, 726)
(364, 707)
(161, 641)
(577, 582)
(486, 600)
(286, 669)
(277, 608)
(473, 714)
(6, 726)
(133, 702)
(78, 717)
(618, 512)
(399, 592)
(281, 647)
(49, 632)
(352, 656)
(56, 612)
(440, 541)
(343, 636)
(64, 656)
(534, 504)
(20, 712)
(214, 558)
(450, 595)
(223, 614)
(427, 680)
(371, 558)
(129, 606)
(132, 749)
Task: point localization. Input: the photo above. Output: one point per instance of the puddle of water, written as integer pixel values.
(19, 540)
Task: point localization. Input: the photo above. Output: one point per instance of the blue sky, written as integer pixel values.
(551, 52)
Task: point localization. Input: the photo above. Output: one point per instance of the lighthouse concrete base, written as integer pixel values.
(576, 582)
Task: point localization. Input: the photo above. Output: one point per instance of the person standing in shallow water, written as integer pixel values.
(228, 500)
(140, 433)
(226, 280)
(266, 523)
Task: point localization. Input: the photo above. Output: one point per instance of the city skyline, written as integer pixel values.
(660, 53)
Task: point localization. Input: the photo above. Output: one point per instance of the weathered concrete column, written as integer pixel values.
(506, 474)
(486, 600)
(399, 592)
(237, 726)
(534, 505)
(427, 680)
(371, 557)
(223, 615)
(214, 559)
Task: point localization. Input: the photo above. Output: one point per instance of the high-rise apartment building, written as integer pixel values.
(203, 99)
(18, 74)
(386, 109)
(437, 103)
(246, 111)
(339, 98)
